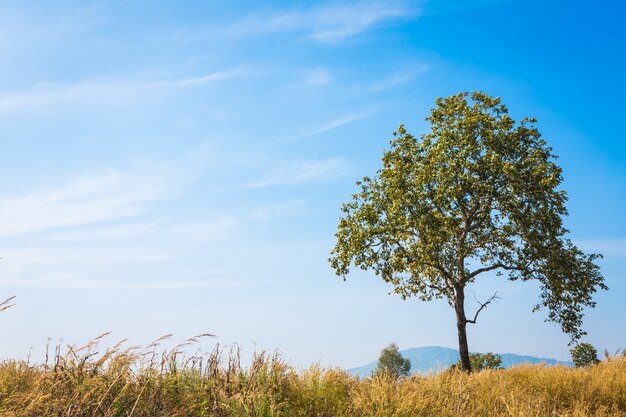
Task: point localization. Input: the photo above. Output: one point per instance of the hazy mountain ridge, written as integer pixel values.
(436, 358)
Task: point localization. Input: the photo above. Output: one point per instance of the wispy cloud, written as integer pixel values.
(90, 199)
(329, 24)
(67, 280)
(107, 232)
(299, 172)
(336, 24)
(112, 89)
(397, 79)
(109, 262)
(230, 227)
(24, 266)
(328, 126)
(273, 211)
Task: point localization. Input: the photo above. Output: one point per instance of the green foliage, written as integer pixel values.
(392, 362)
(477, 193)
(481, 361)
(584, 354)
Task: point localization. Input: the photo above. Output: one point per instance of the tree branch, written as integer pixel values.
(483, 269)
(490, 268)
(482, 306)
(437, 288)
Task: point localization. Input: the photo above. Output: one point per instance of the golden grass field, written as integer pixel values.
(149, 382)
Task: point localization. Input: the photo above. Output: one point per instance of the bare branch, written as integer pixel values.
(482, 306)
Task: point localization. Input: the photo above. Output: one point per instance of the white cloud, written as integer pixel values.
(51, 256)
(117, 232)
(67, 280)
(156, 256)
(300, 172)
(273, 211)
(328, 126)
(329, 24)
(63, 266)
(45, 94)
(92, 199)
(397, 79)
(336, 24)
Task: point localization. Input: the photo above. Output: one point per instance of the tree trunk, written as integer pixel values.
(461, 324)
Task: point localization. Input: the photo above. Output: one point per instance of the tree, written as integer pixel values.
(487, 360)
(392, 362)
(583, 355)
(478, 193)
(480, 361)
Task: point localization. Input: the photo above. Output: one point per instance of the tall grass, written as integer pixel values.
(151, 382)
(7, 303)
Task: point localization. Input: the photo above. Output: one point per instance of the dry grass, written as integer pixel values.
(7, 303)
(129, 381)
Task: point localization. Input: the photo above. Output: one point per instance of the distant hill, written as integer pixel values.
(436, 358)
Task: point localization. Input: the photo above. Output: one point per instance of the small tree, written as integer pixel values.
(487, 360)
(480, 361)
(478, 193)
(584, 354)
(392, 362)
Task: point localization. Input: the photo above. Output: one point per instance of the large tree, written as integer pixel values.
(478, 193)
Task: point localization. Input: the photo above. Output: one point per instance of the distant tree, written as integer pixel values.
(480, 361)
(392, 362)
(583, 355)
(478, 193)
(486, 361)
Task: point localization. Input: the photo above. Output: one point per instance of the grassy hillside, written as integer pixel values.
(134, 382)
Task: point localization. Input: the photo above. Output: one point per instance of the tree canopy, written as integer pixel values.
(584, 354)
(478, 193)
(392, 362)
(481, 361)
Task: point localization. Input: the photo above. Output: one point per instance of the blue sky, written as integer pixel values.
(179, 168)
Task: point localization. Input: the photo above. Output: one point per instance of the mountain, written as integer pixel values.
(436, 358)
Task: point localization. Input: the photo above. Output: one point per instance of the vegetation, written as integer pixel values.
(131, 382)
(7, 303)
(478, 193)
(584, 354)
(392, 363)
(477, 190)
(481, 361)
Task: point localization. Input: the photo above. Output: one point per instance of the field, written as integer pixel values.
(150, 382)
